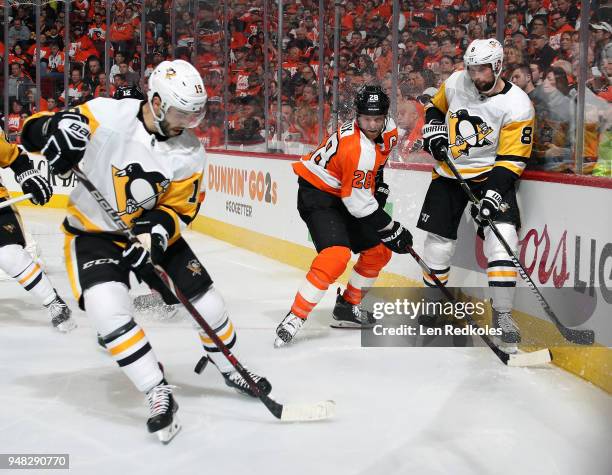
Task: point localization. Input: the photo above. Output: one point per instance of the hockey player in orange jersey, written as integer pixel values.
(341, 198)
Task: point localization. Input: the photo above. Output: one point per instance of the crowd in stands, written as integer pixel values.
(542, 56)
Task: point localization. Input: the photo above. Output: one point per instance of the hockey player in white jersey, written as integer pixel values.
(14, 258)
(484, 124)
(149, 166)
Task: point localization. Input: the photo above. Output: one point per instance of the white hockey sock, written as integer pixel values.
(212, 307)
(110, 307)
(16, 262)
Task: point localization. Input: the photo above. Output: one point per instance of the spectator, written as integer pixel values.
(568, 10)
(18, 34)
(534, 8)
(132, 78)
(14, 121)
(93, 69)
(542, 52)
(18, 81)
(560, 25)
(57, 60)
(410, 120)
(75, 89)
(104, 88)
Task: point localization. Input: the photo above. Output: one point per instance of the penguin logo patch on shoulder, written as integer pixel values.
(466, 131)
(136, 189)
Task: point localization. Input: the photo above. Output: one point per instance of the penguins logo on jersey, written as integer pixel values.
(466, 131)
(137, 189)
(195, 267)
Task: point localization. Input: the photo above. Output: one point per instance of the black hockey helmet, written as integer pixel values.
(372, 100)
(129, 92)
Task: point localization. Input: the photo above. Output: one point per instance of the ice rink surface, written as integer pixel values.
(399, 410)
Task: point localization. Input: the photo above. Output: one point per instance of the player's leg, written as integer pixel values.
(501, 272)
(440, 217)
(325, 218)
(101, 287)
(373, 256)
(16, 262)
(189, 275)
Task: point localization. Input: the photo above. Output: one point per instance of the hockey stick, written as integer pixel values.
(580, 337)
(524, 359)
(284, 412)
(12, 201)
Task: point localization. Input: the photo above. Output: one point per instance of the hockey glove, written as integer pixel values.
(153, 242)
(435, 139)
(33, 182)
(397, 238)
(30, 180)
(488, 207)
(68, 133)
(381, 194)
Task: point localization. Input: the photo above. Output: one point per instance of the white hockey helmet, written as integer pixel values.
(485, 52)
(181, 91)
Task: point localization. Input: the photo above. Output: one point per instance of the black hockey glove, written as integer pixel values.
(31, 181)
(397, 238)
(435, 139)
(488, 208)
(68, 133)
(381, 194)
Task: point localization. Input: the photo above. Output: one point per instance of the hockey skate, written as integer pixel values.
(234, 380)
(287, 329)
(154, 305)
(348, 315)
(61, 315)
(162, 407)
(510, 336)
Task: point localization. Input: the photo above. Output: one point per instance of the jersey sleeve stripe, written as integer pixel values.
(514, 166)
(516, 138)
(86, 111)
(439, 99)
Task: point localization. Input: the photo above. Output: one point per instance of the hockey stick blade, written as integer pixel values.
(300, 412)
(580, 337)
(535, 358)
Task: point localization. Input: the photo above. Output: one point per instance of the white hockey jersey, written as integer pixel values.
(8, 153)
(484, 132)
(134, 170)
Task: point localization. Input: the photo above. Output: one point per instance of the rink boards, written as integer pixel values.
(565, 240)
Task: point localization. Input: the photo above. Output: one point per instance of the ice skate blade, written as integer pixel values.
(279, 341)
(168, 433)
(346, 325)
(66, 326)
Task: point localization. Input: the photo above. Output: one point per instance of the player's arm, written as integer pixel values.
(158, 228)
(61, 137)
(358, 179)
(29, 178)
(513, 151)
(435, 133)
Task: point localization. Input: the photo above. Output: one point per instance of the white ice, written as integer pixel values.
(399, 410)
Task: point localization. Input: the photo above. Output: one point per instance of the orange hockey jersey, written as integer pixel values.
(346, 163)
